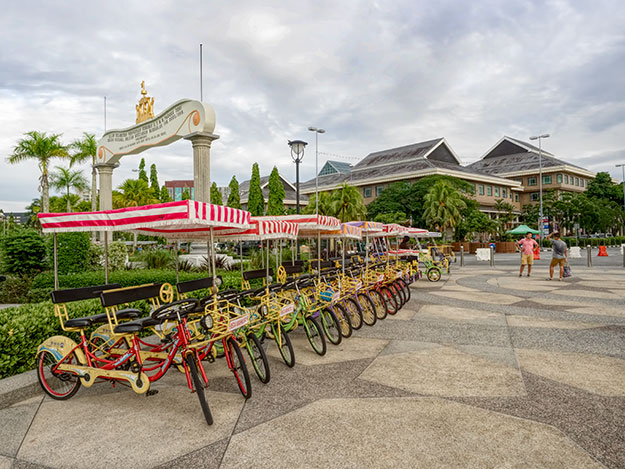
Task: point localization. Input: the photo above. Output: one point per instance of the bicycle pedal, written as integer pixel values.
(210, 359)
(151, 392)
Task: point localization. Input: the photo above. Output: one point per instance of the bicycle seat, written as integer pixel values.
(275, 286)
(135, 326)
(128, 313)
(78, 323)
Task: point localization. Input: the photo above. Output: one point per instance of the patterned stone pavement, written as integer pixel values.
(482, 369)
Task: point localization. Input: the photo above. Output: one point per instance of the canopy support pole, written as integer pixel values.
(343, 254)
(209, 252)
(177, 247)
(366, 250)
(267, 265)
(262, 254)
(106, 258)
(241, 254)
(56, 264)
(212, 262)
(318, 253)
(292, 252)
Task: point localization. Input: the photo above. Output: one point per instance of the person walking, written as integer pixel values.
(559, 252)
(527, 245)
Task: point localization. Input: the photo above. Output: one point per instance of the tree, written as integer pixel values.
(134, 193)
(186, 194)
(234, 198)
(347, 203)
(325, 204)
(475, 224)
(391, 217)
(275, 203)
(164, 197)
(216, 195)
(443, 204)
(65, 180)
(142, 174)
(42, 148)
(84, 149)
(601, 187)
(154, 180)
(505, 216)
(255, 199)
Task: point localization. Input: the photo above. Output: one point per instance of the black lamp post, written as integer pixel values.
(297, 153)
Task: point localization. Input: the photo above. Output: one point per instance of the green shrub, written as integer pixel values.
(118, 254)
(158, 258)
(23, 251)
(72, 250)
(15, 289)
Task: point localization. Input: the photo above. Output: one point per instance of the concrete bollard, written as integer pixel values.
(462, 256)
(588, 256)
(492, 256)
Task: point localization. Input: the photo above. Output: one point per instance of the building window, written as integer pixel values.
(577, 181)
(378, 190)
(532, 181)
(489, 191)
(480, 189)
(170, 191)
(516, 197)
(193, 193)
(566, 179)
(178, 193)
(535, 196)
(519, 180)
(496, 191)
(582, 182)
(504, 192)
(367, 192)
(559, 178)
(547, 179)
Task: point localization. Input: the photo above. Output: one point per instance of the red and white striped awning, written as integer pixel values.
(262, 229)
(393, 229)
(308, 224)
(368, 227)
(171, 219)
(416, 232)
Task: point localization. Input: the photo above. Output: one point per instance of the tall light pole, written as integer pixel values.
(297, 153)
(623, 167)
(540, 183)
(317, 132)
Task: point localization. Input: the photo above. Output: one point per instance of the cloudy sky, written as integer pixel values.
(375, 75)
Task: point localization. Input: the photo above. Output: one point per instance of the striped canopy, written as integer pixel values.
(309, 224)
(368, 227)
(347, 231)
(416, 232)
(393, 229)
(171, 219)
(262, 229)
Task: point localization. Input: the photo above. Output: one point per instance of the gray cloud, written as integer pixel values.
(374, 74)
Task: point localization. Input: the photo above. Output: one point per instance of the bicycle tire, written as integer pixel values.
(258, 356)
(355, 312)
(45, 361)
(368, 309)
(199, 388)
(381, 309)
(406, 288)
(331, 326)
(315, 336)
(345, 321)
(399, 300)
(285, 348)
(391, 303)
(401, 295)
(434, 275)
(239, 367)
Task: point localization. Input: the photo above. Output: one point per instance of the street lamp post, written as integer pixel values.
(317, 132)
(540, 183)
(622, 166)
(297, 153)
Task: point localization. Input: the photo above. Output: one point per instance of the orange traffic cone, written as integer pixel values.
(537, 254)
(603, 252)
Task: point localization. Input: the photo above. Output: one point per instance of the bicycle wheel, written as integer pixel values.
(330, 325)
(405, 287)
(258, 356)
(434, 275)
(381, 309)
(239, 368)
(60, 385)
(199, 388)
(344, 321)
(368, 309)
(399, 293)
(354, 311)
(391, 303)
(314, 335)
(284, 345)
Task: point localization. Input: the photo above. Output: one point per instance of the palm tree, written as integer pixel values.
(443, 204)
(83, 149)
(347, 203)
(325, 204)
(134, 193)
(41, 147)
(66, 180)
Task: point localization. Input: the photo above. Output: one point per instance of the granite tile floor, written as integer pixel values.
(482, 369)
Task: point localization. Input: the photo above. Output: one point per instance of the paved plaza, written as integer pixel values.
(482, 369)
